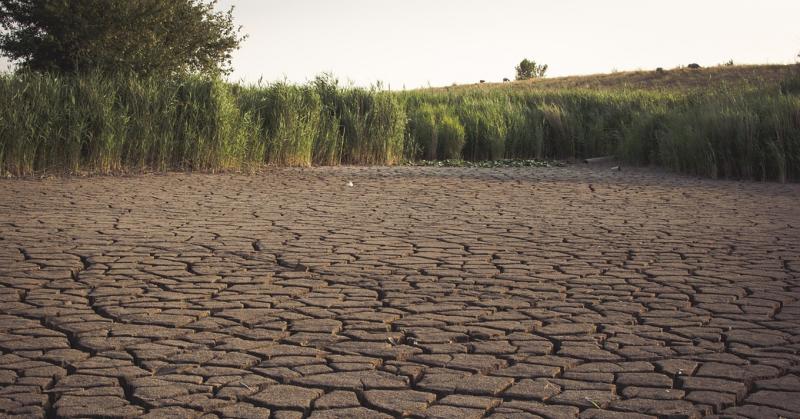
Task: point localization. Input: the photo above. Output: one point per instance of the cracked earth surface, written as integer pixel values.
(429, 292)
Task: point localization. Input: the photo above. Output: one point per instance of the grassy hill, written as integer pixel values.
(675, 79)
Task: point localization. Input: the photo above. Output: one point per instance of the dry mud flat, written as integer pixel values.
(432, 292)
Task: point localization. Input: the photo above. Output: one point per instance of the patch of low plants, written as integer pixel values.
(488, 163)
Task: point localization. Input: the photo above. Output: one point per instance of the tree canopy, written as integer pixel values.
(139, 36)
(528, 69)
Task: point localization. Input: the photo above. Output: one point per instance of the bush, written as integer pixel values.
(528, 69)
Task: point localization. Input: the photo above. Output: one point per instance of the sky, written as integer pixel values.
(418, 43)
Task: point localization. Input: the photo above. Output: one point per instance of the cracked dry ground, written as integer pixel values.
(429, 292)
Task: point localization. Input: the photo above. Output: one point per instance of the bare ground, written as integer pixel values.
(557, 292)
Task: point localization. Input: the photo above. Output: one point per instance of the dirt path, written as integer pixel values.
(557, 292)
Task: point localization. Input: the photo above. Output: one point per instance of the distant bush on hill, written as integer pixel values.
(528, 69)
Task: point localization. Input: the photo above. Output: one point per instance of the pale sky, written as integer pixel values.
(414, 43)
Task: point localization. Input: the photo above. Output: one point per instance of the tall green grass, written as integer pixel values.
(750, 134)
(94, 123)
(100, 124)
(746, 136)
(437, 132)
(287, 121)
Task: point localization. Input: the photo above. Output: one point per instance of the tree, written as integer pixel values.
(528, 69)
(141, 36)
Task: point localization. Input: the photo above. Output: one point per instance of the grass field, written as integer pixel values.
(765, 76)
(733, 122)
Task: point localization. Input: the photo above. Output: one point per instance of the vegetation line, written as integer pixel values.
(105, 124)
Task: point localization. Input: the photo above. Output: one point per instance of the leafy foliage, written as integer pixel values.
(528, 69)
(139, 36)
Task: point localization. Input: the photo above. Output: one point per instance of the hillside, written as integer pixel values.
(669, 79)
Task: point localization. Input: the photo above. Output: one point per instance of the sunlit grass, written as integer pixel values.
(98, 124)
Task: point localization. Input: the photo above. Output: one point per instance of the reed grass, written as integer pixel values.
(437, 132)
(100, 124)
